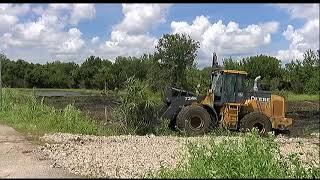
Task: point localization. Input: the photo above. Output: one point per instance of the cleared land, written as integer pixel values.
(304, 109)
(130, 156)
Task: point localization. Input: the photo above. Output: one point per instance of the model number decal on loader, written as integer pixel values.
(190, 98)
(260, 99)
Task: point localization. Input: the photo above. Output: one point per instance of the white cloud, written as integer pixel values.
(73, 43)
(14, 9)
(301, 11)
(48, 33)
(60, 6)
(38, 10)
(301, 39)
(123, 44)
(130, 37)
(7, 20)
(95, 40)
(82, 12)
(139, 18)
(195, 30)
(7, 38)
(225, 40)
(9, 15)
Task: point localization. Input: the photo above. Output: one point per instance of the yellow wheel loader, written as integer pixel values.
(227, 104)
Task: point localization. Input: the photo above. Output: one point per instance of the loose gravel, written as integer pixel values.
(135, 156)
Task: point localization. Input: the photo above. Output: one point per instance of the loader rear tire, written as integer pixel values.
(193, 120)
(256, 120)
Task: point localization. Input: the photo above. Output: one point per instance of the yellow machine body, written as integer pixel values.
(230, 113)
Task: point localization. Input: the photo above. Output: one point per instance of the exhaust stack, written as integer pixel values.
(255, 86)
(214, 62)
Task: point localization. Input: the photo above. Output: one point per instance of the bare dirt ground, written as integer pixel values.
(306, 117)
(98, 107)
(17, 159)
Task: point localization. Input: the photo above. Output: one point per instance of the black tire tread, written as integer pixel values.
(181, 114)
(247, 120)
(182, 117)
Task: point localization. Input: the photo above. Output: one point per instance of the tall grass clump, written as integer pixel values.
(24, 112)
(137, 113)
(249, 156)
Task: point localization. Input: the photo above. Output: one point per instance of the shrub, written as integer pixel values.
(137, 112)
(312, 85)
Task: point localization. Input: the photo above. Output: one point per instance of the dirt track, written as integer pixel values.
(18, 161)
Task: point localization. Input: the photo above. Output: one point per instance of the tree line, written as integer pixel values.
(172, 64)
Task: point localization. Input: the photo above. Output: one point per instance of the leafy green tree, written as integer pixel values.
(104, 78)
(38, 76)
(87, 71)
(303, 76)
(60, 74)
(231, 64)
(262, 65)
(269, 68)
(313, 84)
(199, 80)
(174, 55)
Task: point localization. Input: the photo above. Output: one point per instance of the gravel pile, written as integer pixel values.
(307, 148)
(114, 156)
(134, 156)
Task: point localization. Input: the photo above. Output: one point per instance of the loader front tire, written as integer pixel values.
(193, 120)
(256, 120)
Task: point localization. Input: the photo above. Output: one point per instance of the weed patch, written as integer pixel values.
(249, 156)
(24, 112)
(137, 113)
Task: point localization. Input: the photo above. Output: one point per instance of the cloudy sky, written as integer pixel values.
(40, 33)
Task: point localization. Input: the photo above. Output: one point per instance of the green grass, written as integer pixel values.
(303, 97)
(23, 112)
(290, 96)
(253, 157)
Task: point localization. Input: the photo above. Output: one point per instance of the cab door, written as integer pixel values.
(229, 88)
(233, 88)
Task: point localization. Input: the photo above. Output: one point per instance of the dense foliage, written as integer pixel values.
(173, 63)
(137, 112)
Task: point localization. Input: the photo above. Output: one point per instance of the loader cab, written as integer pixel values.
(229, 86)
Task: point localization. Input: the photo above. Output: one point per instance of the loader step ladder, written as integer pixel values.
(230, 115)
